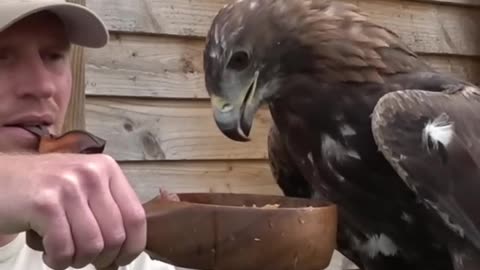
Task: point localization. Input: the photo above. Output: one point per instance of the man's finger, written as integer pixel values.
(57, 242)
(86, 233)
(110, 222)
(49, 221)
(134, 218)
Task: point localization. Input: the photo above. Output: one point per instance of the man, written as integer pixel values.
(81, 205)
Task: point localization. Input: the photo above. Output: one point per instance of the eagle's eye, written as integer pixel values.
(239, 61)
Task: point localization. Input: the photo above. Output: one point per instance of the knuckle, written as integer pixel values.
(95, 171)
(46, 202)
(137, 218)
(70, 188)
(108, 159)
(65, 254)
(60, 259)
(115, 239)
(97, 246)
(91, 174)
(92, 247)
(105, 161)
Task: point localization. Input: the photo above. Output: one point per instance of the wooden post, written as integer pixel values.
(75, 117)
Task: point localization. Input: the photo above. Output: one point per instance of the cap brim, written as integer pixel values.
(83, 27)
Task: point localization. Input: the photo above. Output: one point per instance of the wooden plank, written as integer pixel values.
(147, 66)
(474, 3)
(466, 68)
(200, 176)
(168, 130)
(426, 27)
(75, 117)
(171, 67)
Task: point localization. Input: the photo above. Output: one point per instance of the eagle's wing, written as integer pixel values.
(432, 139)
(283, 168)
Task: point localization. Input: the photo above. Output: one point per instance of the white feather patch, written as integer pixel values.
(310, 158)
(440, 130)
(347, 130)
(379, 244)
(458, 259)
(407, 217)
(335, 150)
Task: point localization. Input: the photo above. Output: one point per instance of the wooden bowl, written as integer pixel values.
(241, 232)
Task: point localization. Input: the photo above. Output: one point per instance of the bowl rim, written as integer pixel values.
(317, 204)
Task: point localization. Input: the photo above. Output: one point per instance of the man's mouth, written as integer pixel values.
(37, 129)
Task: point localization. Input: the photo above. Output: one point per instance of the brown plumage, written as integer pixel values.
(321, 66)
(283, 168)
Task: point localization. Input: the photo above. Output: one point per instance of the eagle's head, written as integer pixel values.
(248, 48)
(255, 47)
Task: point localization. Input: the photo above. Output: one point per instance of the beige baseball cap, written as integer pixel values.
(83, 26)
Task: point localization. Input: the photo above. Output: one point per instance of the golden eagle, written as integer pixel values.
(360, 120)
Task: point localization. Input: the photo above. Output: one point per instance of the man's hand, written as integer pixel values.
(81, 205)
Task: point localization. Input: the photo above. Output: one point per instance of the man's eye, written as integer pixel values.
(56, 56)
(52, 56)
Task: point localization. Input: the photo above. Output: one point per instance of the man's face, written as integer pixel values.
(35, 79)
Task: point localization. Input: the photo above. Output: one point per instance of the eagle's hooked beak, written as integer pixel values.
(234, 118)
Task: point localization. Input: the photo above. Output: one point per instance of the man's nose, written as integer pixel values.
(37, 81)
